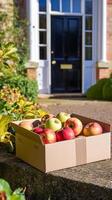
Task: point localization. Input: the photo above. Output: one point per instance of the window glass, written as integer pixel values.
(76, 6)
(42, 5)
(88, 23)
(42, 21)
(55, 5)
(42, 37)
(88, 6)
(43, 53)
(88, 53)
(66, 6)
(88, 38)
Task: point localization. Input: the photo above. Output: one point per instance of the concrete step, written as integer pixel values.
(88, 182)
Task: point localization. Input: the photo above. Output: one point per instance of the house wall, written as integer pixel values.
(105, 69)
(109, 30)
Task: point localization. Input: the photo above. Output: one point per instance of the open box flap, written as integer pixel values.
(22, 131)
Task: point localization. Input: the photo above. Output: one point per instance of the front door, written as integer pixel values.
(66, 54)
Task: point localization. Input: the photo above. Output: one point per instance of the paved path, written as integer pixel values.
(100, 110)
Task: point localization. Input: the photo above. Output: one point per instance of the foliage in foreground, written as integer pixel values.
(14, 106)
(102, 90)
(6, 192)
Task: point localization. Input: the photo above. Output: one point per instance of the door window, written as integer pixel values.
(88, 6)
(42, 36)
(42, 5)
(88, 23)
(66, 6)
(88, 29)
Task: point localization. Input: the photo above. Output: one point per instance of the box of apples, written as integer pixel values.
(62, 141)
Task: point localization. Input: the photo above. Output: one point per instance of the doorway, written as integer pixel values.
(66, 54)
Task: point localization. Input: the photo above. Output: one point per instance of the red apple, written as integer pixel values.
(92, 128)
(27, 124)
(48, 136)
(59, 136)
(75, 124)
(68, 133)
(38, 130)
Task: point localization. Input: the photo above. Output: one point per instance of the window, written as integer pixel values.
(88, 53)
(88, 6)
(76, 6)
(88, 23)
(88, 38)
(66, 6)
(43, 53)
(88, 29)
(42, 30)
(42, 37)
(42, 5)
(55, 5)
(69, 6)
(42, 21)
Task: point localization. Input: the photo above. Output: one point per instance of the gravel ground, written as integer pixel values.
(100, 110)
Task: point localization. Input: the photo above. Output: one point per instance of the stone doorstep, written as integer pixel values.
(61, 95)
(88, 182)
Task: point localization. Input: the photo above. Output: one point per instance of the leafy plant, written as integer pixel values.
(17, 106)
(13, 56)
(95, 92)
(15, 32)
(7, 194)
(107, 90)
(5, 136)
(27, 87)
(8, 59)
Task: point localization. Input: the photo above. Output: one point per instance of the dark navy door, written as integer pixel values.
(66, 54)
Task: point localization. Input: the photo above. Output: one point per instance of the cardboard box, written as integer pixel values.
(65, 154)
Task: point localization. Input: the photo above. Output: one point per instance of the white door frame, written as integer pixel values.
(98, 52)
(49, 15)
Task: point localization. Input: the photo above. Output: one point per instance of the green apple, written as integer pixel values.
(62, 116)
(54, 124)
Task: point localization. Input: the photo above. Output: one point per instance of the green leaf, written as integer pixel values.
(4, 121)
(18, 194)
(5, 187)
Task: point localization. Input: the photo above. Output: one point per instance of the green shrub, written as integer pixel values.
(27, 87)
(95, 92)
(107, 90)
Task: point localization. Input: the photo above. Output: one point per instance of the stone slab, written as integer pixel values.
(88, 182)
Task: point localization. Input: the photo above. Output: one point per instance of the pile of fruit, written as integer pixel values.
(61, 127)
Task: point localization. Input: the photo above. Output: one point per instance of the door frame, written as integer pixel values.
(53, 13)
